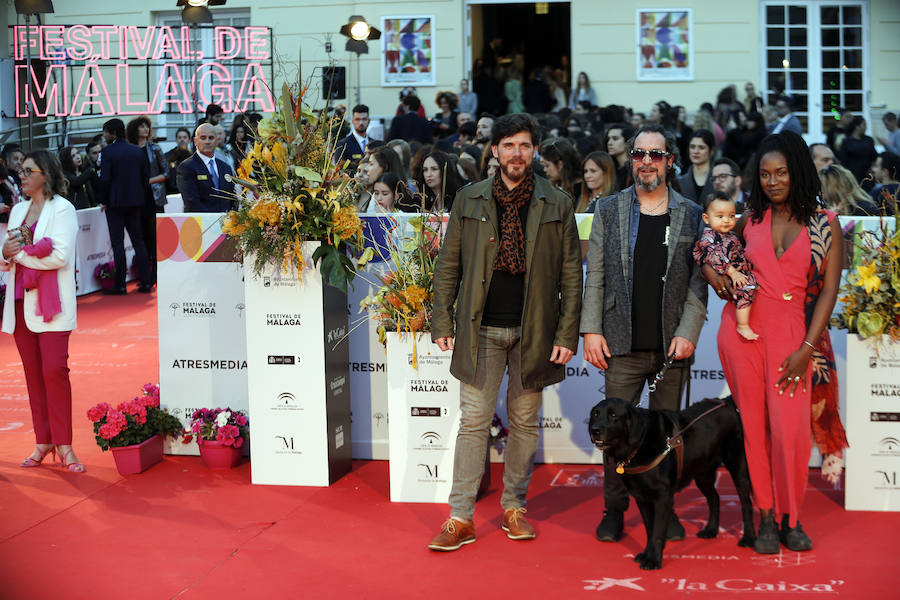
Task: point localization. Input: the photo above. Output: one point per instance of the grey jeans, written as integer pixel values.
(499, 348)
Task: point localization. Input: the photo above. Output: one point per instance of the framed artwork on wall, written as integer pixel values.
(665, 44)
(407, 50)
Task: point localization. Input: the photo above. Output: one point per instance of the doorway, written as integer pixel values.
(516, 38)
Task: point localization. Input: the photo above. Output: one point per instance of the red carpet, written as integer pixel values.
(182, 531)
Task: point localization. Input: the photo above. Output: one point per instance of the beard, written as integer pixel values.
(515, 171)
(648, 186)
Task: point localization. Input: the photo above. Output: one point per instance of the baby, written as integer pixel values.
(722, 250)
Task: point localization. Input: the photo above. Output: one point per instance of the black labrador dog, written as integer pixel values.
(636, 438)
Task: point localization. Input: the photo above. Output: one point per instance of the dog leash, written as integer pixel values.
(662, 372)
(673, 442)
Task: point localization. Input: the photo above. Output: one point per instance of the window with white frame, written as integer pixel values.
(816, 52)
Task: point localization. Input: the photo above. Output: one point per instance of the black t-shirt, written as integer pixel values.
(506, 296)
(650, 256)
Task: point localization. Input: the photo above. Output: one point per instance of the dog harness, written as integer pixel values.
(673, 442)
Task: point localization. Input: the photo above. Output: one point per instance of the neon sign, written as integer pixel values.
(68, 89)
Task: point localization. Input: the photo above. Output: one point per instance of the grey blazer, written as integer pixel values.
(606, 308)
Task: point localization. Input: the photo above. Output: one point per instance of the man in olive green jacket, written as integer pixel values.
(511, 265)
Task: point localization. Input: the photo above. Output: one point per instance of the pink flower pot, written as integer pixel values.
(107, 283)
(139, 457)
(217, 456)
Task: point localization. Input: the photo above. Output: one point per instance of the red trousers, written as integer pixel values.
(45, 360)
(777, 431)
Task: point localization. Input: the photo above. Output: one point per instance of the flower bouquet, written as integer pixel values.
(294, 193)
(220, 435)
(134, 430)
(403, 302)
(871, 295)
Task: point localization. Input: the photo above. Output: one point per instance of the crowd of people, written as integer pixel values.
(583, 148)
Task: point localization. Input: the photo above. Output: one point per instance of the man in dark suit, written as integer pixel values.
(124, 190)
(354, 145)
(201, 178)
(410, 126)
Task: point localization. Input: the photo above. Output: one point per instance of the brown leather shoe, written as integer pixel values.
(515, 525)
(453, 536)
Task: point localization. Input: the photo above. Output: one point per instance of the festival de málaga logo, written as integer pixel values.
(283, 319)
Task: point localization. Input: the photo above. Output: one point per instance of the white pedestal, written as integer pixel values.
(200, 315)
(873, 426)
(297, 375)
(423, 414)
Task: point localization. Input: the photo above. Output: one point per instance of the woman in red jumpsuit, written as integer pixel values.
(795, 249)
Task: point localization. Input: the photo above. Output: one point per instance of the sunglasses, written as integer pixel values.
(27, 171)
(655, 155)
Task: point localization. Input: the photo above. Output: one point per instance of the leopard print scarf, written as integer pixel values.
(511, 252)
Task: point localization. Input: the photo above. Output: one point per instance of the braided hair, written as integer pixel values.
(805, 187)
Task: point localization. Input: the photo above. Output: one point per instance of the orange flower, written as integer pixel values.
(266, 211)
(346, 222)
(394, 301)
(415, 296)
(388, 278)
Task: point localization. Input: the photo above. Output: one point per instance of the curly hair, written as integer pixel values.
(451, 98)
(805, 187)
(131, 130)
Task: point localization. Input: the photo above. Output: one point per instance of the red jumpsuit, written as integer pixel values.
(777, 434)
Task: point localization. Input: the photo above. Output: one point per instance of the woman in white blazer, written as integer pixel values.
(39, 321)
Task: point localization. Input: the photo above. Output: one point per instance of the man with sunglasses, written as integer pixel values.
(644, 297)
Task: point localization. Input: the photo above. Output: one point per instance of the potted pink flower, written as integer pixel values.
(134, 430)
(221, 433)
(105, 273)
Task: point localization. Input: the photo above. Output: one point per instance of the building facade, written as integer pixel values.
(825, 54)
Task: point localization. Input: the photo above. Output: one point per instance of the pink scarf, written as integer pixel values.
(46, 282)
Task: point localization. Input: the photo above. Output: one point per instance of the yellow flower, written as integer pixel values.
(266, 212)
(415, 296)
(346, 222)
(245, 169)
(293, 257)
(867, 277)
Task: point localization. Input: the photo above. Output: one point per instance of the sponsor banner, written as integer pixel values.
(873, 425)
(200, 306)
(291, 336)
(423, 400)
(92, 247)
